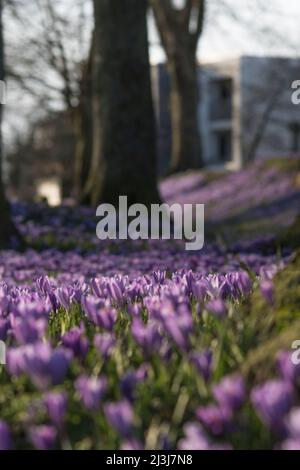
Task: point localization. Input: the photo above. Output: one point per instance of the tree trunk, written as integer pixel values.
(124, 144)
(8, 232)
(259, 132)
(83, 129)
(184, 98)
(180, 30)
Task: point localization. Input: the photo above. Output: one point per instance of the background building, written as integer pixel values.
(37, 165)
(245, 110)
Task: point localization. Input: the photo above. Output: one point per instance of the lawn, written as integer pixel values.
(123, 345)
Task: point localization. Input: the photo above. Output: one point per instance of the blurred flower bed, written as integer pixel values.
(147, 346)
(265, 196)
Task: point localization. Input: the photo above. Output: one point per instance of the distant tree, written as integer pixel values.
(52, 64)
(268, 107)
(7, 229)
(180, 30)
(124, 148)
(83, 123)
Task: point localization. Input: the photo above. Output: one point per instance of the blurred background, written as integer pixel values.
(158, 100)
(83, 123)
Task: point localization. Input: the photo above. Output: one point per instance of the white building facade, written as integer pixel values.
(245, 111)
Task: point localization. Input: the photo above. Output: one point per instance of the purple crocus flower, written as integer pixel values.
(159, 277)
(131, 444)
(244, 283)
(53, 301)
(77, 290)
(179, 326)
(115, 292)
(28, 330)
(290, 444)
(65, 297)
(98, 287)
(135, 309)
(43, 437)
(268, 291)
(56, 406)
(5, 436)
(76, 342)
(217, 307)
(101, 316)
(218, 287)
(189, 278)
(45, 366)
(91, 305)
(216, 419)
(200, 289)
(15, 360)
(91, 390)
(288, 370)
(43, 285)
(203, 363)
(194, 439)
(273, 400)
(292, 423)
(36, 308)
(147, 336)
(4, 302)
(226, 289)
(105, 343)
(230, 392)
(130, 380)
(106, 318)
(120, 417)
(4, 327)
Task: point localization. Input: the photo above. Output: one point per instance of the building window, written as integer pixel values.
(221, 99)
(225, 90)
(223, 146)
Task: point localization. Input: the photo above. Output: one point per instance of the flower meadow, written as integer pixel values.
(141, 345)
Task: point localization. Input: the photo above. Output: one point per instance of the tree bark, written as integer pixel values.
(186, 148)
(8, 232)
(124, 144)
(83, 129)
(180, 30)
(260, 130)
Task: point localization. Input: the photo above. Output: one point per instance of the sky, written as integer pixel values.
(241, 27)
(274, 31)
